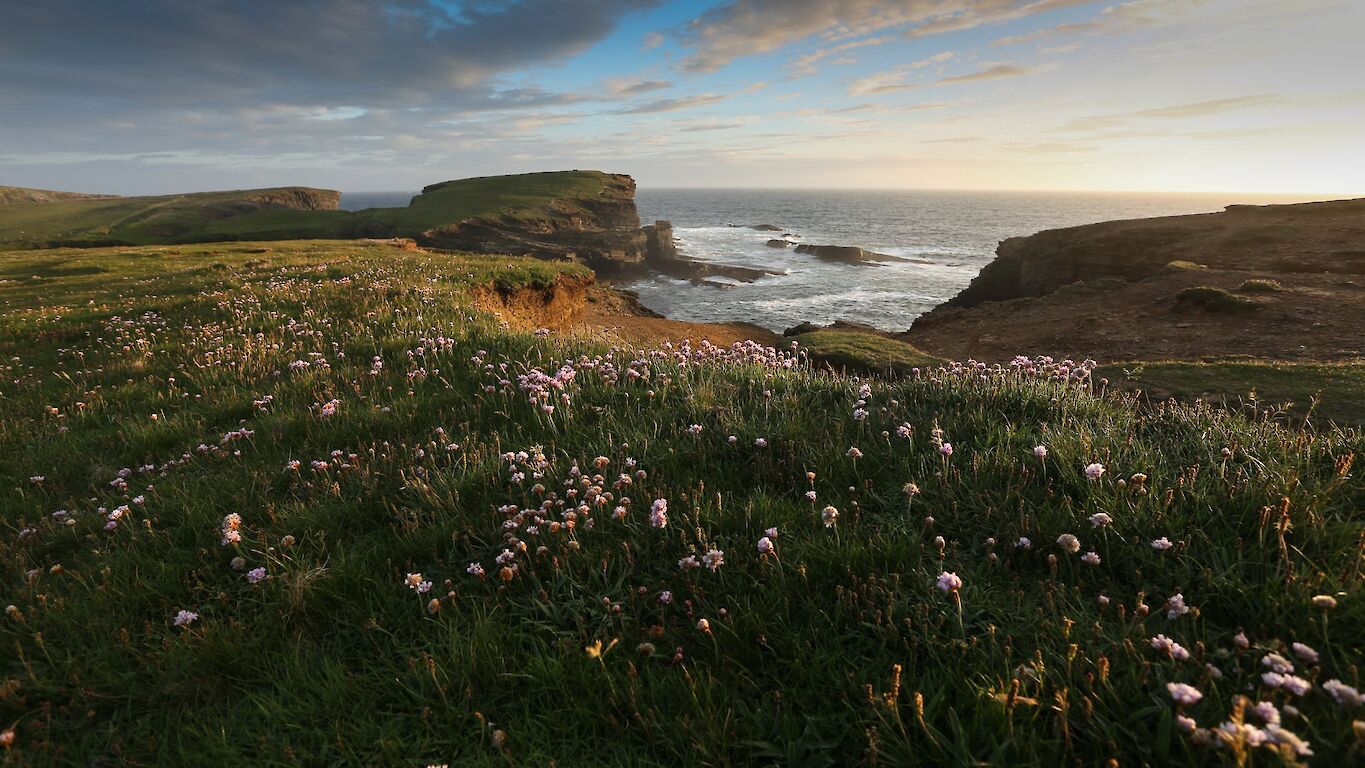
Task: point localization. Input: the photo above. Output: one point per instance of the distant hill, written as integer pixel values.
(24, 195)
(94, 221)
(582, 216)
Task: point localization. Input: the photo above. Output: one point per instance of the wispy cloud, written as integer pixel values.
(893, 81)
(676, 104)
(1201, 108)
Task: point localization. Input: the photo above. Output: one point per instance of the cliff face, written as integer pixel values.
(1284, 281)
(598, 228)
(25, 195)
(1310, 237)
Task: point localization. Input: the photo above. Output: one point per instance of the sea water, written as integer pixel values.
(947, 238)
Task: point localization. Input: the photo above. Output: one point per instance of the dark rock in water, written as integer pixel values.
(847, 254)
(800, 328)
(765, 227)
(789, 234)
(659, 243)
(778, 243)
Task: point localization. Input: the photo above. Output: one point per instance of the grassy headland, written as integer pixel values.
(300, 503)
(283, 214)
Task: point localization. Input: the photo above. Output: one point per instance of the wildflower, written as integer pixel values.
(855, 453)
(1266, 711)
(475, 570)
(1184, 694)
(761, 442)
(1069, 543)
(1342, 693)
(689, 563)
(237, 563)
(1091, 558)
(1325, 602)
(949, 582)
(1170, 647)
(1242, 732)
(946, 449)
(1307, 654)
(910, 489)
(904, 431)
(255, 575)
(732, 439)
(185, 618)
(1024, 543)
(1162, 544)
(416, 582)
(713, 559)
(1279, 735)
(1175, 606)
(704, 626)
(829, 515)
(1240, 640)
(1185, 724)
(665, 597)
(658, 516)
(765, 546)
(1100, 520)
(1277, 663)
(810, 495)
(694, 430)
(1040, 451)
(1094, 471)
(433, 605)
(770, 532)
(7, 738)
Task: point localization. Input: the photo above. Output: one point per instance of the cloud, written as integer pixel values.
(745, 27)
(893, 80)
(216, 53)
(1200, 108)
(805, 64)
(676, 104)
(651, 41)
(1112, 20)
(633, 87)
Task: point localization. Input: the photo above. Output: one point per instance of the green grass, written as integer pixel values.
(218, 216)
(1213, 300)
(857, 352)
(1329, 392)
(834, 649)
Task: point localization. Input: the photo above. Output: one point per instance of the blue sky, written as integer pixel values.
(1172, 95)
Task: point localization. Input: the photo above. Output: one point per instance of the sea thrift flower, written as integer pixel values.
(829, 515)
(765, 546)
(855, 453)
(1100, 520)
(1091, 558)
(1307, 654)
(1185, 724)
(475, 570)
(1094, 471)
(255, 575)
(949, 582)
(1278, 663)
(1325, 602)
(810, 495)
(658, 516)
(1069, 543)
(770, 532)
(1240, 640)
(1162, 544)
(946, 449)
(689, 563)
(665, 597)
(713, 559)
(1175, 606)
(1024, 543)
(1170, 647)
(704, 626)
(1184, 694)
(761, 442)
(1040, 451)
(1342, 693)
(415, 582)
(185, 618)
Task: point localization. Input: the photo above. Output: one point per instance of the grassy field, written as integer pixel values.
(218, 216)
(1321, 392)
(298, 504)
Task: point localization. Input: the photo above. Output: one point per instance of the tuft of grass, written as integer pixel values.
(1212, 299)
(863, 352)
(1260, 285)
(367, 436)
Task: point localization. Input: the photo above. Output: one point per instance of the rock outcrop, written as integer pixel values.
(847, 254)
(24, 195)
(1282, 281)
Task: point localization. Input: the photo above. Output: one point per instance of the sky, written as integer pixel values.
(157, 96)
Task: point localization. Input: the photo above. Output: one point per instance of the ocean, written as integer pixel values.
(949, 235)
